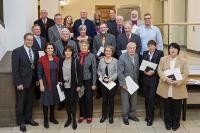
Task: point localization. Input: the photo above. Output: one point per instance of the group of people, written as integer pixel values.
(79, 57)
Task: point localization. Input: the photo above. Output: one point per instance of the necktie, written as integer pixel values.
(119, 29)
(39, 41)
(30, 55)
(103, 40)
(128, 37)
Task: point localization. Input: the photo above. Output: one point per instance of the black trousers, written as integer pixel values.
(108, 101)
(150, 96)
(86, 101)
(172, 111)
(24, 104)
(71, 99)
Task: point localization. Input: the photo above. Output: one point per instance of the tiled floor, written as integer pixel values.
(192, 125)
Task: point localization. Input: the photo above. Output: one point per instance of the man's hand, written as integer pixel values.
(125, 87)
(20, 87)
(78, 88)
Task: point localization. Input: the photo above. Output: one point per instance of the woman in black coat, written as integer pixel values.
(71, 78)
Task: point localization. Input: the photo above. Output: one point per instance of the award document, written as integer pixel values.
(147, 65)
(60, 93)
(109, 86)
(131, 85)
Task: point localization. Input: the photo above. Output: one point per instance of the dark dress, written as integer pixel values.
(49, 97)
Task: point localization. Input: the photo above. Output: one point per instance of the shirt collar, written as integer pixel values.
(148, 27)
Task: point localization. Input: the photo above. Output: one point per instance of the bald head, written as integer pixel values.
(134, 15)
(131, 47)
(83, 14)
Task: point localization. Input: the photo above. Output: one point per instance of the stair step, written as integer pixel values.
(37, 108)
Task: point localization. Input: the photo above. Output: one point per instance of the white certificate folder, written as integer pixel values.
(108, 85)
(60, 93)
(131, 85)
(146, 64)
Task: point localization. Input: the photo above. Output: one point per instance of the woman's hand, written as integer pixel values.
(78, 88)
(20, 87)
(42, 88)
(169, 81)
(94, 87)
(125, 87)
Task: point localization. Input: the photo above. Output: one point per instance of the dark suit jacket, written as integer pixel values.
(36, 45)
(44, 31)
(114, 31)
(122, 42)
(97, 42)
(91, 31)
(152, 80)
(21, 67)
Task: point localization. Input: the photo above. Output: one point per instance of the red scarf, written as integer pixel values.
(82, 57)
(44, 60)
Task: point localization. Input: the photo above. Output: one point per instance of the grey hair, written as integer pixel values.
(82, 27)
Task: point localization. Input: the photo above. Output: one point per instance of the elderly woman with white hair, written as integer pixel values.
(83, 36)
(63, 42)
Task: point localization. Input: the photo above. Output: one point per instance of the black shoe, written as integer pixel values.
(53, 120)
(46, 123)
(174, 128)
(111, 120)
(125, 121)
(74, 125)
(168, 127)
(103, 118)
(149, 122)
(145, 119)
(22, 127)
(134, 119)
(32, 123)
(68, 122)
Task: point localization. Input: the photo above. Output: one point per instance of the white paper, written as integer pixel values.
(60, 93)
(175, 71)
(123, 51)
(101, 50)
(108, 85)
(41, 53)
(71, 35)
(145, 63)
(131, 85)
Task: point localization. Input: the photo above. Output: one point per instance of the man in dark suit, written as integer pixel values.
(124, 38)
(150, 80)
(54, 31)
(24, 60)
(112, 21)
(45, 23)
(38, 41)
(91, 31)
(119, 29)
(38, 44)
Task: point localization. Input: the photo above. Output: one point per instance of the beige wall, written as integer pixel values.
(74, 6)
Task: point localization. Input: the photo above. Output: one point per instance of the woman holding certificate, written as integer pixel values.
(173, 73)
(150, 80)
(107, 71)
(89, 70)
(71, 78)
(48, 78)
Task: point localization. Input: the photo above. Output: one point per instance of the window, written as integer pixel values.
(1, 13)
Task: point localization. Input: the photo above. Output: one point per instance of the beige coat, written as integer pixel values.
(179, 91)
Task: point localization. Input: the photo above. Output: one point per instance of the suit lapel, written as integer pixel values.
(26, 55)
(129, 58)
(60, 47)
(36, 42)
(155, 55)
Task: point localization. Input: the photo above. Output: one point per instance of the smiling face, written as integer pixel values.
(28, 41)
(108, 52)
(173, 52)
(151, 47)
(43, 14)
(147, 20)
(36, 30)
(112, 14)
(84, 47)
(83, 31)
(65, 35)
(49, 50)
(131, 47)
(103, 28)
(83, 14)
(68, 53)
(127, 28)
(134, 15)
(58, 19)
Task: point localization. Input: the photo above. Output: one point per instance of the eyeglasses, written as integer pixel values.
(147, 18)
